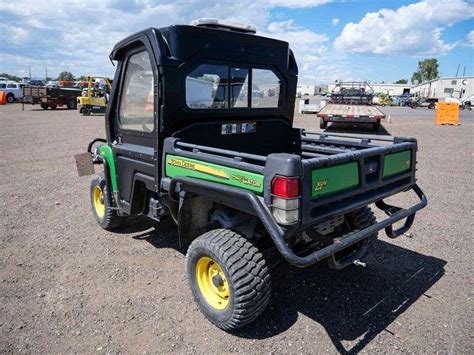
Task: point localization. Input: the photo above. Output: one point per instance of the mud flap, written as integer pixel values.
(84, 164)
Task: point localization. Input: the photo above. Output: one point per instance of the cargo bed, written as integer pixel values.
(338, 174)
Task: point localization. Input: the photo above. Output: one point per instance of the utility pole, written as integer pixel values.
(464, 71)
(29, 70)
(457, 71)
(46, 73)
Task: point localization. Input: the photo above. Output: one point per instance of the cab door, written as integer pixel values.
(135, 140)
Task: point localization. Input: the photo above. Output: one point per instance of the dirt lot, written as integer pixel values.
(68, 286)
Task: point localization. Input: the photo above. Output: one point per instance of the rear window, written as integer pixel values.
(206, 87)
(214, 86)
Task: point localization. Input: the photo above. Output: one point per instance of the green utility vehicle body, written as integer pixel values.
(199, 128)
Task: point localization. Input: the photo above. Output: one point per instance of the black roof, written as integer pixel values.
(176, 44)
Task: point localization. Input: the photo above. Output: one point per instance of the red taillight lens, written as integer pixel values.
(285, 187)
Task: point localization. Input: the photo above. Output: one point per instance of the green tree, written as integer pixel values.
(65, 75)
(427, 70)
(401, 81)
(10, 77)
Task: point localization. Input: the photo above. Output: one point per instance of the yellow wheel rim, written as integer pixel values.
(98, 200)
(212, 283)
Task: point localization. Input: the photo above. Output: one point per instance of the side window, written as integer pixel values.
(11, 86)
(206, 87)
(265, 88)
(137, 103)
(3, 86)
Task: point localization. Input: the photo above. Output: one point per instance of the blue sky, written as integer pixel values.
(373, 40)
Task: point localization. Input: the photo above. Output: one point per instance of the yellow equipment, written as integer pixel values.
(94, 99)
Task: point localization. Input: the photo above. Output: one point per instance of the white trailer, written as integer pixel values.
(350, 114)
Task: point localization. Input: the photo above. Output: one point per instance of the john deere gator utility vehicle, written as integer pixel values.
(199, 128)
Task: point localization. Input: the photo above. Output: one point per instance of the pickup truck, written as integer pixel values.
(239, 181)
(13, 90)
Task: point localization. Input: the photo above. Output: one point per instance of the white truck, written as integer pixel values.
(12, 89)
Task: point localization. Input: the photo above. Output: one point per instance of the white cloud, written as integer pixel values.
(296, 3)
(275, 27)
(414, 29)
(78, 35)
(335, 22)
(470, 38)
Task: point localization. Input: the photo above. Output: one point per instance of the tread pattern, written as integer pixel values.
(246, 271)
(111, 219)
(361, 219)
(358, 220)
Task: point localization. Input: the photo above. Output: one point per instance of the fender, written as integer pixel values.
(105, 152)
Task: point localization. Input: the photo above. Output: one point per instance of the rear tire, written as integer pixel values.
(103, 212)
(322, 124)
(10, 98)
(431, 106)
(228, 277)
(356, 220)
(44, 106)
(53, 107)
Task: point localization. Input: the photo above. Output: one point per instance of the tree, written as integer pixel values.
(10, 77)
(65, 75)
(427, 70)
(401, 81)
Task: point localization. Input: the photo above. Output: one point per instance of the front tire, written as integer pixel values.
(44, 106)
(10, 98)
(107, 217)
(228, 277)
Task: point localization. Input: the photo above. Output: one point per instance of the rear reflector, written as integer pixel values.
(285, 187)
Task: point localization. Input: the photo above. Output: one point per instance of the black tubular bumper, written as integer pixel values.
(238, 196)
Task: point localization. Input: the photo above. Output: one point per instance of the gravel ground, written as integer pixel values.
(68, 286)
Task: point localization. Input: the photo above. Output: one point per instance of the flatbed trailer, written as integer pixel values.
(350, 114)
(48, 97)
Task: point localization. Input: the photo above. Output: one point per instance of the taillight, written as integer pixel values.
(285, 199)
(285, 187)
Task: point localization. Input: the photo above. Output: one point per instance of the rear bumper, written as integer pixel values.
(279, 235)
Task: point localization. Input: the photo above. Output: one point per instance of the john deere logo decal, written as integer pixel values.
(246, 181)
(321, 184)
(199, 167)
(202, 168)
